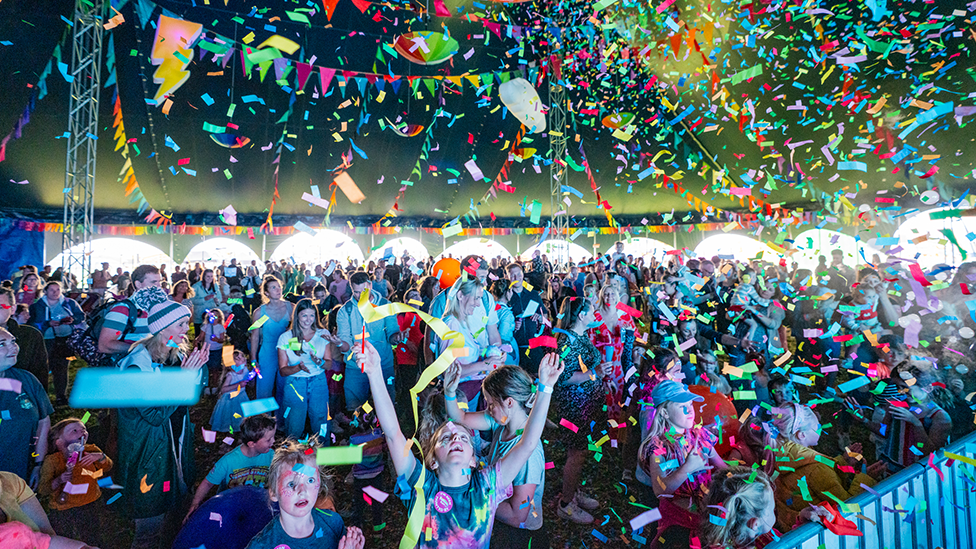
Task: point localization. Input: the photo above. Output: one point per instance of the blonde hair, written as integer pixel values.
(287, 455)
(465, 287)
(792, 418)
(659, 426)
(744, 495)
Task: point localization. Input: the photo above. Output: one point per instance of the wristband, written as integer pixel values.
(450, 397)
(544, 388)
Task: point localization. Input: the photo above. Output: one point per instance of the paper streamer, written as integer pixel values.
(371, 313)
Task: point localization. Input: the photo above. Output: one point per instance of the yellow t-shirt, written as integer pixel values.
(13, 492)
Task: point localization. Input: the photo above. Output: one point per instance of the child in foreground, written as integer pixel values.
(294, 481)
(509, 397)
(247, 464)
(459, 500)
(69, 479)
(742, 505)
(678, 458)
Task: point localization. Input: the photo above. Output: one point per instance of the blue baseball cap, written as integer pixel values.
(672, 391)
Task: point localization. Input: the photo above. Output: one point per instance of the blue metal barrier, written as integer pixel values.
(944, 511)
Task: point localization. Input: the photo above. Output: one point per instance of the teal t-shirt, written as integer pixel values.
(533, 472)
(326, 534)
(23, 402)
(458, 517)
(236, 469)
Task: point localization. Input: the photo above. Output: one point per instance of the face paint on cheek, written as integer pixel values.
(284, 485)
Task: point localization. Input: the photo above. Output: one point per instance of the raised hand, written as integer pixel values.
(550, 368)
(452, 377)
(369, 362)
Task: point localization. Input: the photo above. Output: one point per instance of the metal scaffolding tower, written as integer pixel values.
(557, 148)
(79, 172)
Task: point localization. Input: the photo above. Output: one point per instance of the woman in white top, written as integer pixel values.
(481, 357)
(303, 354)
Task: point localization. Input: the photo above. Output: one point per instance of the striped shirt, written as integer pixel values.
(117, 318)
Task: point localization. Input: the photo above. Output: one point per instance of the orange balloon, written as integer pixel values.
(450, 270)
(717, 404)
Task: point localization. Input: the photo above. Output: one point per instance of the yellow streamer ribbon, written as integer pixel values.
(372, 313)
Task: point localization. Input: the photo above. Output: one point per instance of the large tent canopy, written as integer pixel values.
(698, 108)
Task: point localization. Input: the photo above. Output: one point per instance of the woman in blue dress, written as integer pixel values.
(276, 313)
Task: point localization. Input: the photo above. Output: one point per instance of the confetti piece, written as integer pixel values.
(349, 188)
(857, 382)
(257, 407)
(12, 385)
(339, 455)
(569, 425)
(258, 323)
(376, 494)
(542, 341)
(209, 436)
(304, 469)
(645, 518)
(957, 457)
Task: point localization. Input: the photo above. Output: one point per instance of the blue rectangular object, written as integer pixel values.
(257, 407)
(857, 382)
(111, 388)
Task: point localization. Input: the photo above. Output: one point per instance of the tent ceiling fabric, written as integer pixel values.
(816, 106)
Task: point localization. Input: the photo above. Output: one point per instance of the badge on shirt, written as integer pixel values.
(443, 502)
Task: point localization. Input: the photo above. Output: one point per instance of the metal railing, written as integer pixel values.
(913, 509)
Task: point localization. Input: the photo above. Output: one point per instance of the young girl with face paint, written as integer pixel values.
(294, 482)
(509, 397)
(678, 457)
(458, 500)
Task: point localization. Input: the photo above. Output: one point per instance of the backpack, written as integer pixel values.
(84, 343)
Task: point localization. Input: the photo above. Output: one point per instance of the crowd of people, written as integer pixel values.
(708, 376)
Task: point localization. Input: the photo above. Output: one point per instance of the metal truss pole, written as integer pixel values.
(79, 172)
(557, 147)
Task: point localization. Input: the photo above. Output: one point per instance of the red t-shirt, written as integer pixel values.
(404, 355)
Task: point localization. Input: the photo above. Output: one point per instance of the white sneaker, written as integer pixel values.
(585, 501)
(573, 512)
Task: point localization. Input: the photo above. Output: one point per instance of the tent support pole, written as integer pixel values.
(79, 172)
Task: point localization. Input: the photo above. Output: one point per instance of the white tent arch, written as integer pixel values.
(319, 249)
